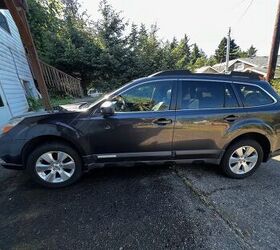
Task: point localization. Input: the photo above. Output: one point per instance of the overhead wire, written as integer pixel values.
(245, 12)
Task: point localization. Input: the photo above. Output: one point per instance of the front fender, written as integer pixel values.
(58, 129)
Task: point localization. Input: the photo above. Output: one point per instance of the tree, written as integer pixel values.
(196, 53)
(80, 54)
(103, 53)
(220, 53)
(252, 51)
(211, 61)
(181, 53)
(43, 18)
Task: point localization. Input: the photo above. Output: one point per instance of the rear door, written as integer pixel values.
(205, 111)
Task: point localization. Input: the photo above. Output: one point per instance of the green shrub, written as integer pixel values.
(34, 103)
(276, 84)
(61, 100)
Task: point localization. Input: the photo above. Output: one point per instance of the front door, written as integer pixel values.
(206, 110)
(141, 128)
(5, 114)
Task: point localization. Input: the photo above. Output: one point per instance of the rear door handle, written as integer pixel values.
(162, 121)
(231, 118)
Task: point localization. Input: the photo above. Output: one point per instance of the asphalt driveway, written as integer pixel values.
(186, 207)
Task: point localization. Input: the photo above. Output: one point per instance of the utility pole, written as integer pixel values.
(274, 47)
(228, 49)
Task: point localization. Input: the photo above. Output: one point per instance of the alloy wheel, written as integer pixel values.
(243, 160)
(55, 166)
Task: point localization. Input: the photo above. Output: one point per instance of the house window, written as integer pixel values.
(4, 23)
(27, 88)
(239, 66)
(1, 102)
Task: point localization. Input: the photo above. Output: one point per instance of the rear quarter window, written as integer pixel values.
(253, 96)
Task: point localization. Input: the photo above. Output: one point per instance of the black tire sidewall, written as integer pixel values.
(33, 157)
(232, 148)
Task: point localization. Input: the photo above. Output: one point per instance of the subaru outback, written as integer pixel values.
(169, 117)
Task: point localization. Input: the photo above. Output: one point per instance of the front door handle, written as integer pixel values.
(231, 118)
(162, 121)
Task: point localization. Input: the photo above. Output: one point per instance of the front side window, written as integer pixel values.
(152, 96)
(253, 96)
(4, 23)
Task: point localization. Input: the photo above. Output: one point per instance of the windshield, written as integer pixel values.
(105, 96)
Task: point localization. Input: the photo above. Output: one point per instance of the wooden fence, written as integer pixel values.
(59, 82)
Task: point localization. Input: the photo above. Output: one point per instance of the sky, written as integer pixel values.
(206, 22)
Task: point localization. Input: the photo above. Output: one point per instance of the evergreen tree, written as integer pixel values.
(220, 53)
(252, 51)
(195, 54)
(103, 53)
(181, 53)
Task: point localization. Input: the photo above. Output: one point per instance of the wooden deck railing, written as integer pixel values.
(59, 82)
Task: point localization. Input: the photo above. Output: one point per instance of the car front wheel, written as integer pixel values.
(54, 165)
(242, 159)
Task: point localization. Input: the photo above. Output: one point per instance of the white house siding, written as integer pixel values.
(14, 68)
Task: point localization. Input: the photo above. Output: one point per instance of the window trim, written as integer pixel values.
(225, 82)
(254, 85)
(238, 101)
(174, 95)
(222, 81)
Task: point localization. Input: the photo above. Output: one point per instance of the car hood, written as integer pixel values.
(77, 107)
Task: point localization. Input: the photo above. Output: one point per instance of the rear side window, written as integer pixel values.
(253, 96)
(230, 98)
(202, 95)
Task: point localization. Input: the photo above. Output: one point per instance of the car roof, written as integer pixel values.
(234, 77)
(182, 74)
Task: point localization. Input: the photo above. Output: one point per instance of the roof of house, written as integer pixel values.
(260, 61)
(206, 69)
(221, 66)
(257, 61)
(257, 64)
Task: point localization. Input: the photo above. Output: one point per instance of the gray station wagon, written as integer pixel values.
(169, 117)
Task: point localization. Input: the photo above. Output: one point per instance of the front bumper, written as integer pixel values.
(10, 152)
(11, 165)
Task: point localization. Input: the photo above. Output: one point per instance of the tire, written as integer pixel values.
(235, 165)
(54, 165)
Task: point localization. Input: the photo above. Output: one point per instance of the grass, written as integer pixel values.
(276, 84)
(56, 101)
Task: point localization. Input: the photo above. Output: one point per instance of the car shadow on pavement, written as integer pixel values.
(141, 206)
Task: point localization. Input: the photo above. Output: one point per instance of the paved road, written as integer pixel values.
(186, 207)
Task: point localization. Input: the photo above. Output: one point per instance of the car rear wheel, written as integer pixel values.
(242, 159)
(54, 165)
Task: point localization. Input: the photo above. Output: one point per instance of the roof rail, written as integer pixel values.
(237, 74)
(172, 73)
(250, 75)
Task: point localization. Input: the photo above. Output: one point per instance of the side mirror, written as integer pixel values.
(107, 108)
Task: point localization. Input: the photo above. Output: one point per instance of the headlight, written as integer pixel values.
(12, 123)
